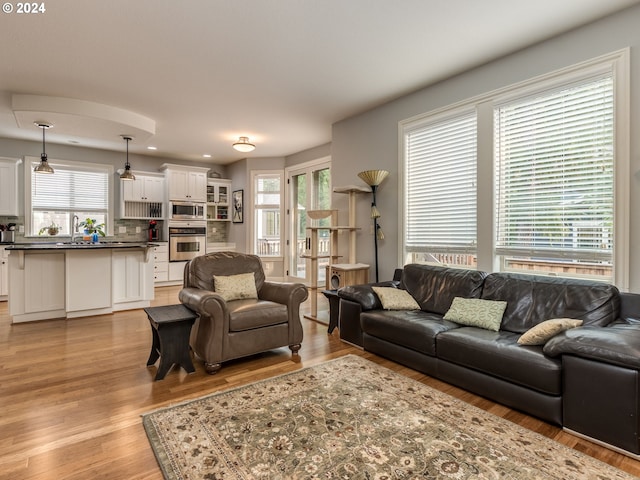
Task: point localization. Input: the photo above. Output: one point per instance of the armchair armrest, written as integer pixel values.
(203, 302)
(618, 344)
(292, 294)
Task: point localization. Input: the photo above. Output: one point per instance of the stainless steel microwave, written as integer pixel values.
(187, 211)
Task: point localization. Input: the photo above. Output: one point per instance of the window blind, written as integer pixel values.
(554, 161)
(71, 190)
(441, 186)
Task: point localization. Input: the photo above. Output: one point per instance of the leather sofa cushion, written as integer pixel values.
(251, 313)
(409, 328)
(532, 299)
(434, 288)
(498, 354)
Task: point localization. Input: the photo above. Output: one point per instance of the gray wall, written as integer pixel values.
(370, 140)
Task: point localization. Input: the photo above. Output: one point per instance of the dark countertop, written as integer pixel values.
(76, 245)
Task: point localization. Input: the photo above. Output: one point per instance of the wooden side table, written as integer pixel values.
(171, 328)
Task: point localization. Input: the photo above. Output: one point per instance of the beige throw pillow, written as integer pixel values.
(235, 287)
(475, 312)
(395, 299)
(544, 331)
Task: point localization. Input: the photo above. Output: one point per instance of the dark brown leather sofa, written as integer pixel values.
(585, 379)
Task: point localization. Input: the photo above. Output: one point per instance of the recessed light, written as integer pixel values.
(206, 155)
(73, 141)
(152, 148)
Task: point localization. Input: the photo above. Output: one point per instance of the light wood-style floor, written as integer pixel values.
(72, 392)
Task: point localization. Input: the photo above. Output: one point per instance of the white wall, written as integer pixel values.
(370, 140)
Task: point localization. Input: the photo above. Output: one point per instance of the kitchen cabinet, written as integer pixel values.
(218, 197)
(161, 263)
(186, 183)
(9, 186)
(88, 281)
(176, 271)
(131, 281)
(4, 273)
(142, 197)
(37, 288)
(143, 189)
(50, 281)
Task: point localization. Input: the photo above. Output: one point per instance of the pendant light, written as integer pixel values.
(127, 175)
(43, 166)
(243, 145)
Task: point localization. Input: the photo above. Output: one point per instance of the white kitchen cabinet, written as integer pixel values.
(161, 263)
(4, 273)
(218, 198)
(37, 288)
(142, 197)
(143, 189)
(176, 271)
(88, 288)
(186, 183)
(9, 186)
(132, 278)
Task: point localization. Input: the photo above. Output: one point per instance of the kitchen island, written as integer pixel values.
(77, 279)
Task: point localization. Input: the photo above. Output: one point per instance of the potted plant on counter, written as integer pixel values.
(92, 229)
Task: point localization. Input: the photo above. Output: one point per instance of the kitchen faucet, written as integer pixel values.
(74, 228)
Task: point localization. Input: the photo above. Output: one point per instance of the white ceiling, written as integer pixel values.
(278, 71)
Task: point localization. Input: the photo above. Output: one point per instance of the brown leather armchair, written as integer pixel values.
(232, 329)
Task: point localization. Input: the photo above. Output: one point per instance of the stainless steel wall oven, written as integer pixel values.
(187, 240)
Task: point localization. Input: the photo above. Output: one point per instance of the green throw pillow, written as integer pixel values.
(235, 287)
(475, 312)
(544, 331)
(395, 299)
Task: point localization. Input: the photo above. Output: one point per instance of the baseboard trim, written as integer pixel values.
(635, 456)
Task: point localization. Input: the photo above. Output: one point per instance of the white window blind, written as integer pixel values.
(440, 192)
(555, 173)
(70, 190)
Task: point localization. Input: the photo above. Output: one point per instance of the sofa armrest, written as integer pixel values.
(618, 344)
(364, 294)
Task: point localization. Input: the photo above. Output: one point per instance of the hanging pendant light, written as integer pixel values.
(243, 145)
(127, 175)
(43, 166)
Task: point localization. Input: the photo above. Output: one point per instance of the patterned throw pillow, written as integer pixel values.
(475, 312)
(395, 299)
(235, 287)
(544, 331)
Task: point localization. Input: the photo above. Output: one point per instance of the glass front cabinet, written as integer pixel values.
(218, 197)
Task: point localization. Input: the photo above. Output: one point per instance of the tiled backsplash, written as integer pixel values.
(131, 234)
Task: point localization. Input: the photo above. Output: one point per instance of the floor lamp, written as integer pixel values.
(374, 178)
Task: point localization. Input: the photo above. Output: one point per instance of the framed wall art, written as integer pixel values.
(238, 206)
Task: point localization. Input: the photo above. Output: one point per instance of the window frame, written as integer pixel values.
(29, 163)
(255, 176)
(619, 64)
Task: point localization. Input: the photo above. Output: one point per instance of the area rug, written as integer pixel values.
(350, 418)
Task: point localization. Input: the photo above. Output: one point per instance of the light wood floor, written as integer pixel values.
(72, 391)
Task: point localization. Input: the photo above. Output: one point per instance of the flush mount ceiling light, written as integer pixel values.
(243, 145)
(43, 166)
(127, 175)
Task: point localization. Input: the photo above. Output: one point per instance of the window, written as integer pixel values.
(267, 214)
(555, 175)
(74, 189)
(440, 193)
(552, 177)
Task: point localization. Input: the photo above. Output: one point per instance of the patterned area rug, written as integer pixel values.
(352, 419)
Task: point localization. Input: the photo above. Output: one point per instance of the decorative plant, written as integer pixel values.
(91, 226)
(52, 229)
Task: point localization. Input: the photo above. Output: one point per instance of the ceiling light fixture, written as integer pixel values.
(127, 175)
(243, 145)
(43, 166)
